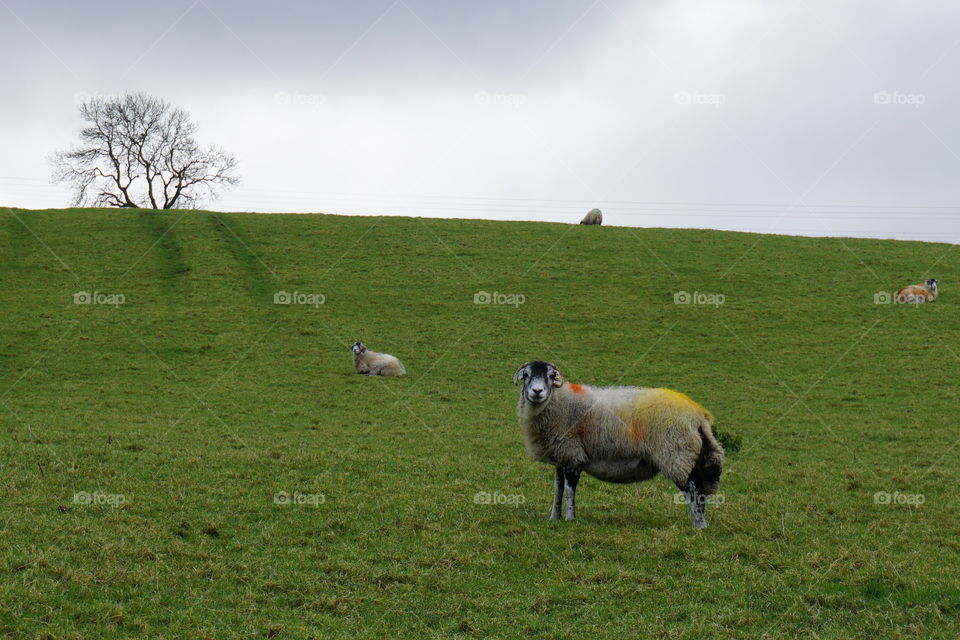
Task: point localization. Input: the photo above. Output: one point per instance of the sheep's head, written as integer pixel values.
(358, 348)
(931, 284)
(539, 379)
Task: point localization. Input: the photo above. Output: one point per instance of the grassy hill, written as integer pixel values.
(144, 439)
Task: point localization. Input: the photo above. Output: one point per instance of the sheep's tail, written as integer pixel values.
(710, 462)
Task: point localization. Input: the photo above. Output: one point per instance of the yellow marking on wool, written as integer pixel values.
(682, 399)
(659, 407)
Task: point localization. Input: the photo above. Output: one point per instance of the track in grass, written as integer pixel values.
(200, 461)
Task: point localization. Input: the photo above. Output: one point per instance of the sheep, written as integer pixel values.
(926, 292)
(372, 363)
(594, 216)
(617, 434)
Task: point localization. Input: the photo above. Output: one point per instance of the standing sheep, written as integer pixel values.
(916, 293)
(372, 363)
(617, 434)
(594, 216)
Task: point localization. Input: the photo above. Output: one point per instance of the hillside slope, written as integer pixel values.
(180, 410)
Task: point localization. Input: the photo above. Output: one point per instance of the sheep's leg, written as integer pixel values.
(557, 494)
(696, 502)
(571, 478)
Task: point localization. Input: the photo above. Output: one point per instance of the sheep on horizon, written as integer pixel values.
(594, 216)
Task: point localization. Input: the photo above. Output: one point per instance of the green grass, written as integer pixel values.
(199, 399)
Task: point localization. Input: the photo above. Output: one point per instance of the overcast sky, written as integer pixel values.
(812, 117)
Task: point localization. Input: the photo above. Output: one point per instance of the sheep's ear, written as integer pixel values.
(516, 376)
(557, 377)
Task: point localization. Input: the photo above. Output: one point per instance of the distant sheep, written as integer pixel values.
(371, 363)
(617, 434)
(594, 216)
(926, 292)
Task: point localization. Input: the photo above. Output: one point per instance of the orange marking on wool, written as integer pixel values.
(577, 388)
(583, 428)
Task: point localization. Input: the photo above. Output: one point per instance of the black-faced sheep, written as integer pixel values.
(915, 293)
(617, 434)
(372, 363)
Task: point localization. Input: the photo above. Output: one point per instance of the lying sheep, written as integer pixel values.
(594, 216)
(926, 292)
(617, 434)
(371, 363)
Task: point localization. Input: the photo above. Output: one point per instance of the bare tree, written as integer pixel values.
(138, 151)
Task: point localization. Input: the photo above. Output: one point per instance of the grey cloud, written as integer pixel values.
(533, 110)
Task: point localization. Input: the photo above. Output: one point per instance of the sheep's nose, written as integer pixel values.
(537, 390)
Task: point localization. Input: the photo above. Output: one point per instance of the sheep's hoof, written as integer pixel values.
(700, 525)
(554, 516)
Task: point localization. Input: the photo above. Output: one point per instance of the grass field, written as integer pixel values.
(144, 439)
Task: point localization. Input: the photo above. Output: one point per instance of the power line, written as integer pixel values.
(572, 203)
